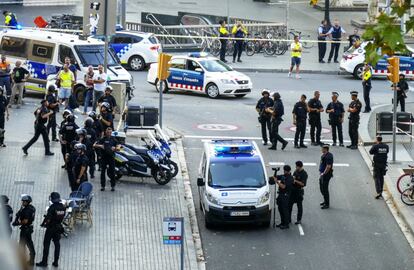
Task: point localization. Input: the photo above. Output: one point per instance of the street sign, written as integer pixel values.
(172, 230)
(99, 17)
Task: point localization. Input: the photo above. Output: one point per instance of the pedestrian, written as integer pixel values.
(90, 77)
(53, 107)
(4, 116)
(315, 108)
(366, 86)
(8, 211)
(109, 98)
(380, 151)
(277, 111)
(53, 224)
(66, 81)
(300, 114)
(402, 89)
(323, 32)
(106, 117)
(296, 56)
(223, 34)
(84, 138)
(336, 112)
(354, 38)
(336, 32)
(354, 109)
(107, 146)
(300, 176)
(42, 114)
(67, 133)
(326, 173)
(239, 32)
(71, 67)
(99, 86)
(19, 77)
(5, 79)
(80, 166)
(10, 19)
(264, 117)
(284, 183)
(24, 218)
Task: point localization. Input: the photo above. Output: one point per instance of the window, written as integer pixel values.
(42, 51)
(65, 51)
(122, 40)
(94, 55)
(153, 39)
(11, 46)
(137, 39)
(178, 63)
(215, 66)
(192, 65)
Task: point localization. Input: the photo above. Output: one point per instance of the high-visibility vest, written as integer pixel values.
(296, 46)
(66, 79)
(367, 75)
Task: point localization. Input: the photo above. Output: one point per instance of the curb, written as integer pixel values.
(285, 70)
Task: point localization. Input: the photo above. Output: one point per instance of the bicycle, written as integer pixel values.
(210, 43)
(407, 196)
(305, 44)
(405, 180)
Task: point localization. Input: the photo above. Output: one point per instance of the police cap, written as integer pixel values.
(81, 131)
(80, 146)
(287, 168)
(335, 94)
(4, 199)
(354, 93)
(265, 91)
(26, 198)
(276, 95)
(326, 146)
(54, 197)
(109, 88)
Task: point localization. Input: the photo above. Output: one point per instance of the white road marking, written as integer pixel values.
(209, 137)
(341, 164)
(276, 163)
(301, 232)
(310, 164)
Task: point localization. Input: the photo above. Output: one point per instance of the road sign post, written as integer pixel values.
(173, 234)
(393, 75)
(162, 75)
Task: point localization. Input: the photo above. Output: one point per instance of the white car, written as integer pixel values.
(198, 73)
(137, 50)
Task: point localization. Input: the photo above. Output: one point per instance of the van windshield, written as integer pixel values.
(94, 55)
(236, 174)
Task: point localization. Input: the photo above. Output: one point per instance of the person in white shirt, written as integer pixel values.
(296, 56)
(100, 84)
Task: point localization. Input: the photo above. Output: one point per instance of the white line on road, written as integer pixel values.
(310, 164)
(207, 137)
(301, 232)
(341, 165)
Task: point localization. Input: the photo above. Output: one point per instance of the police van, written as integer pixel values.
(43, 54)
(199, 73)
(232, 183)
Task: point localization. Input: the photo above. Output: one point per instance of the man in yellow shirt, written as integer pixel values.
(238, 31)
(67, 80)
(366, 85)
(296, 55)
(223, 32)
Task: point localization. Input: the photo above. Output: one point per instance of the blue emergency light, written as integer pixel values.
(198, 54)
(233, 149)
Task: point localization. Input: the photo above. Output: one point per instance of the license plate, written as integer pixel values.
(240, 214)
(244, 86)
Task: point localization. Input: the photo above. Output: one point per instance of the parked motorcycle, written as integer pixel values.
(164, 140)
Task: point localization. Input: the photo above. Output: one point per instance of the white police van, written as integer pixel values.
(43, 54)
(196, 72)
(233, 184)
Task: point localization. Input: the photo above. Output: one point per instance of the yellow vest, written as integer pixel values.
(367, 75)
(66, 79)
(296, 47)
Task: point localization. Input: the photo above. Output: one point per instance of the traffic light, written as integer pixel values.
(313, 2)
(163, 66)
(393, 69)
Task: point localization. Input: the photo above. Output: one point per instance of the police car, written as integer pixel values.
(199, 73)
(353, 62)
(232, 183)
(137, 50)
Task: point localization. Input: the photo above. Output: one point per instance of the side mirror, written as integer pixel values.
(200, 182)
(272, 181)
(199, 70)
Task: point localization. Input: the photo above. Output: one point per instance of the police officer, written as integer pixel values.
(323, 32)
(223, 32)
(325, 174)
(107, 97)
(300, 113)
(8, 210)
(4, 115)
(264, 117)
(366, 86)
(42, 114)
(380, 151)
(70, 159)
(336, 112)
(277, 111)
(67, 133)
(10, 19)
(80, 166)
(88, 140)
(108, 145)
(238, 31)
(336, 32)
(97, 126)
(106, 118)
(402, 88)
(24, 218)
(315, 108)
(284, 183)
(53, 224)
(354, 109)
(63, 146)
(300, 176)
(53, 107)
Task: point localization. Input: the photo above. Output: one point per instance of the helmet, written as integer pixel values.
(73, 143)
(54, 197)
(92, 115)
(66, 113)
(4, 199)
(51, 88)
(106, 105)
(80, 146)
(88, 122)
(265, 91)
(81, 131)
(276, 95)
(26, 198)
(109, 88)
(70, 118)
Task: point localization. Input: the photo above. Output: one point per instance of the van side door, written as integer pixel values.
(40, 59)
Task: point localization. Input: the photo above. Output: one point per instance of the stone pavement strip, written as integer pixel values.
(127, 224)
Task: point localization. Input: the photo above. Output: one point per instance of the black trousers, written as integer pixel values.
(379, 172)
(298, 199)
(51, 234)
(367, 89)
(92, 162)
(283, 207)
(400, 100)
(107, 163)
(266, 126)
(324, 187)
(26, 240)
(336, 127)
(353, 131)
(275, 137)
(2, 131)
(71, 177)
(39, 130)
(223, 48)
(238, 49)
(300, 131)
(334, 49)
(51, 125)
(322, 50)
(315, 130)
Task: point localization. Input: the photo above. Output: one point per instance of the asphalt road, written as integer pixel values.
(357, 232)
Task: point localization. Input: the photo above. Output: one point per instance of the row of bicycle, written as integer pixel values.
(405, 185)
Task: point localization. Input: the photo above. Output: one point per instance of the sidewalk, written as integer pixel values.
(127, 224)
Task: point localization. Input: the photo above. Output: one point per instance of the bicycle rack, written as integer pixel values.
(150, 17)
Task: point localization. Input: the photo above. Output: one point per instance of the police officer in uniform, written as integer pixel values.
(83, 138)
(108, 145)
(366, 85)
(277, 111)
(4, 115)
(315, 108)
(284, 183)
(325, 175)
(70, 159)
(53, 224)
(354, 109)
(53, 107)
(300, 113)
(264, 117)
(380, 151)
(42, 114)
(223, 32)
(106, 118)
(336, 112)
(107, 97)
(8, 211)
(67, 133)
(300, 176)
(336, 32)
(80, 166)
(402, 88)
(24, 219)
(323, 32)
(96, 125)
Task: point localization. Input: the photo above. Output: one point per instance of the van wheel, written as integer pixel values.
(359, 69)
(79, 93)
(212, 90)
(136, 63)
(157, 86)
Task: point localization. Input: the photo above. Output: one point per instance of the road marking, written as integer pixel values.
(209, 137)
(310, 164)
(276, 163)
(217, 127)
(301, 232)
(341, 165)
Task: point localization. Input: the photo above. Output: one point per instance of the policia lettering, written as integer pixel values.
(380, 152)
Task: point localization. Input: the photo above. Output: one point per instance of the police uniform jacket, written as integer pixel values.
(79, 162)
(278, 110)
(40, 121)
(403, 87)
(51, 98)
(287, 180)
(300, 110)
(301, 176)
(338, 111)
(26, 212)
(68, 131)
(314, 104)
(358, 105)
(110, 99)
(108, 143)
(326, 159)
(3, 104)
(263, 104)
(54, 217)
(380, 152)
